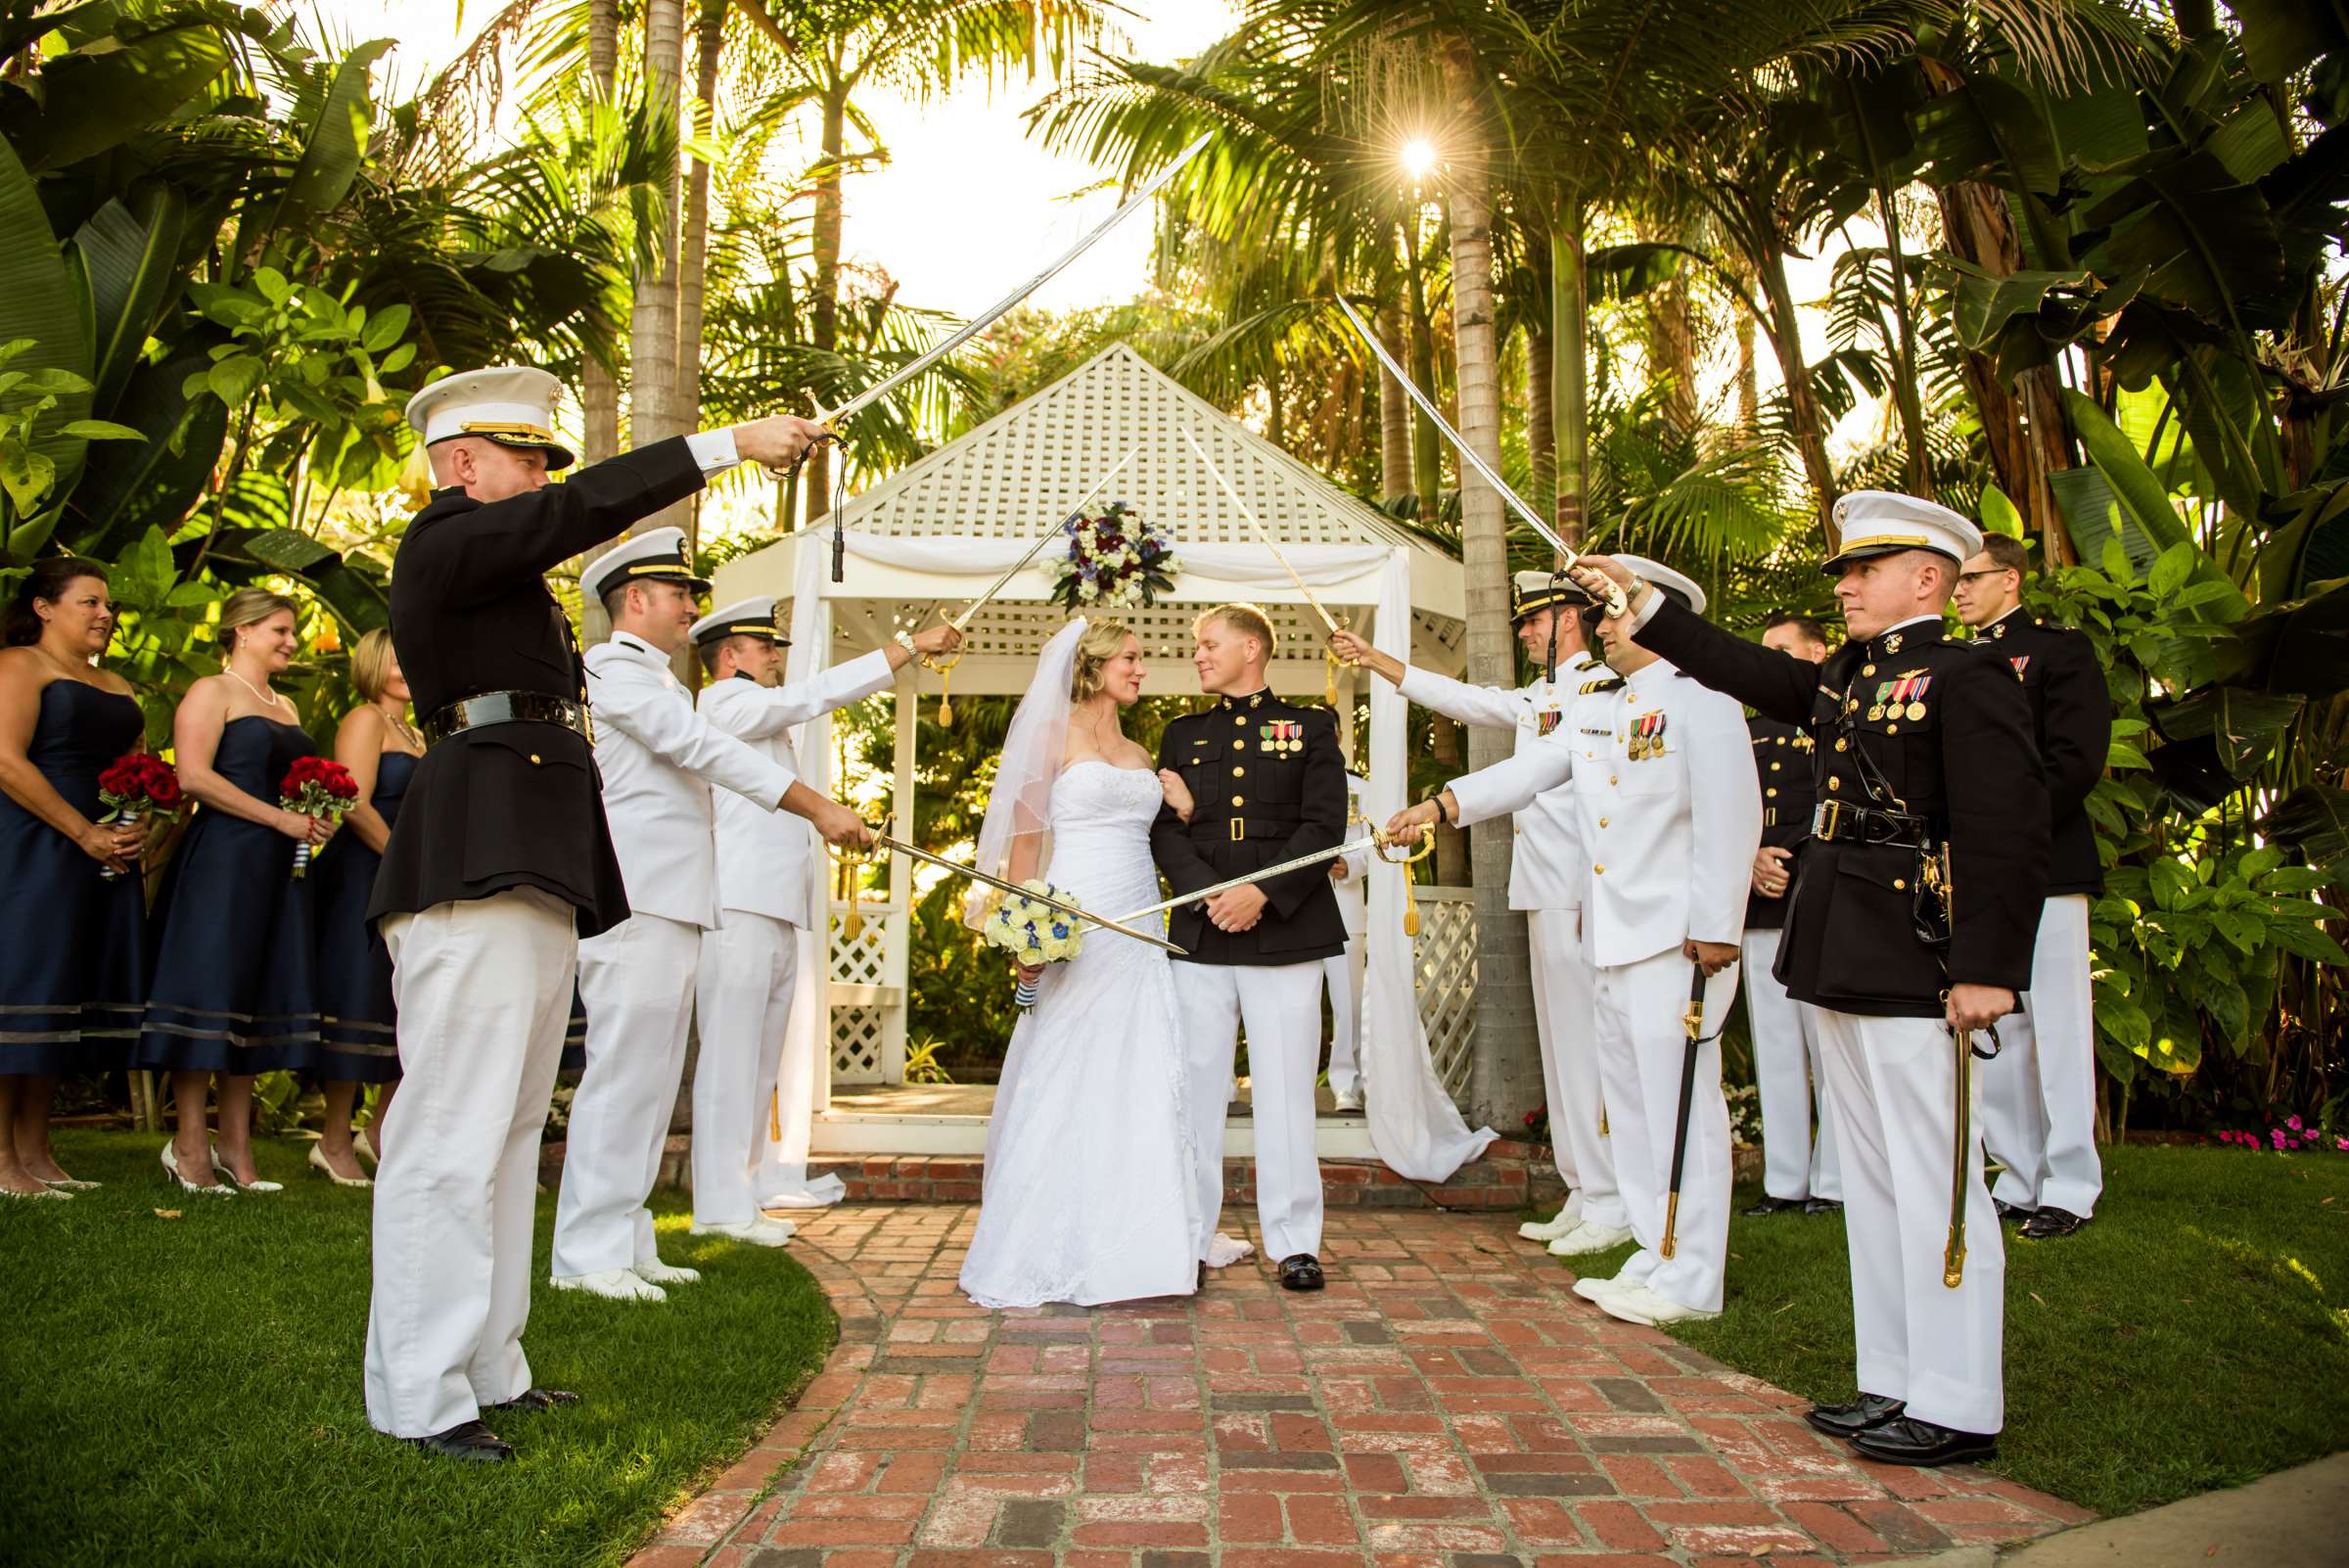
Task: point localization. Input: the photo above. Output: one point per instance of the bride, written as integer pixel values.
(1087, 1194)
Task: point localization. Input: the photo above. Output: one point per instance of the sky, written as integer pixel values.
(967, 208)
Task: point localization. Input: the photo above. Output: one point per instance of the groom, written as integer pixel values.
(1268, 783)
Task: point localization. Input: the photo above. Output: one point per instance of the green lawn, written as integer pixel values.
(2195, 1336)
(186, 1391)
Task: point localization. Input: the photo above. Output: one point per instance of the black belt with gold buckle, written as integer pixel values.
(509, 708)
(1834, 821)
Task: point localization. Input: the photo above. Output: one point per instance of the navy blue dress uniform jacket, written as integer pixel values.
(1960, 753)
(1268, 783)
(509, 805)
(1782, 757)
(2071, 709)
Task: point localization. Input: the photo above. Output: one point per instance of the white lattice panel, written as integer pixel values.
(862, 1002)
(1447, 981)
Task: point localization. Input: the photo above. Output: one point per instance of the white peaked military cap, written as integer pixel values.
(513, 405)
(1680, 586)
(1530, 591)
(1873, 523)
(656, 555)
(754, 616)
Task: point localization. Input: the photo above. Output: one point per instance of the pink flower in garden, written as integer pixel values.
(2276, 1136)
(2294, 1123)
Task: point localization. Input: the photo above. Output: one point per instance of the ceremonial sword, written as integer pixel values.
(987, 318)
(1262, 537)
(1615, 600)
(1302, 861)
(1075, 911)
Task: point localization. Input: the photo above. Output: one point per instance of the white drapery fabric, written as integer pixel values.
(1413, 1125)
(1242, 566)
(807, 1036)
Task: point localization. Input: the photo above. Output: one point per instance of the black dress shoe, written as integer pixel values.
(1301, 1272)
(469, 1441)
(2048, 1223)
(1770, 1205)
(1909, 1440)
(1842, 1420)
(536, 1398)
(2011, 1212)
(1823, 1206)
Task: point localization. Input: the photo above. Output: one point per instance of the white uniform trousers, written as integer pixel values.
(2038, 1094)
(484, 990)
(1892, 1082)
(1641, 1041)
(1786, 1071)
(1570, 1084)
(743, 1004)
(1342, 976)
(1281, 1005)
(637, 981)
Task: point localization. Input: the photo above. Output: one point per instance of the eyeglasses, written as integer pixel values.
(1964, 578)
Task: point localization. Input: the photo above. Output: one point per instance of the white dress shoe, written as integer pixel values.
(658, 1272)
(1641, 1304)
(615, 1285)
(1345, 1099)
(220, 1168)
(759, 1232)
(1552, 1228)
(320, 1164)
(1590, 1236)
(1592, 1288)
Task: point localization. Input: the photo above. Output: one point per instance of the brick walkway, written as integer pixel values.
(1446, 1403)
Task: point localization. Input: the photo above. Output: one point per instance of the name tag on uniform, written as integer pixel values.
(1601, 732)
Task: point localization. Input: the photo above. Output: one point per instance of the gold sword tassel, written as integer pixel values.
(1410, 900)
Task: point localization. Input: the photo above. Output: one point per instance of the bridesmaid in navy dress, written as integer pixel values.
(357, 1045)
(233, 990)
(71, 941)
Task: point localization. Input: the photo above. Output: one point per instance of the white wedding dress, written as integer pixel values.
(1087, 1194)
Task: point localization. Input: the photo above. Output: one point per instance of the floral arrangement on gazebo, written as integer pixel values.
(1113, 560)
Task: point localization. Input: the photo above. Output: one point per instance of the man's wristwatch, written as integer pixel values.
(904, 640)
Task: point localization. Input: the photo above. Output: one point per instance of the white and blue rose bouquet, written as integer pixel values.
(1032, 932)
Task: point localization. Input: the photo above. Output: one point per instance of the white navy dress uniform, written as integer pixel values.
(1341, 973)
(1548, 872)
(1671, 815)
(659, 759)
(748, 959)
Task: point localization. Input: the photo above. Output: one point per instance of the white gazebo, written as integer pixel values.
(929, 540)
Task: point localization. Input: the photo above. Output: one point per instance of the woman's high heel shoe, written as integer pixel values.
(45, 1192)
(69, 1185)
(171, 1164)
(363, 1140)
(320, 1164)
(220, 1168)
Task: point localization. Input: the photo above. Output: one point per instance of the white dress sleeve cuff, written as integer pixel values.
(714, 451)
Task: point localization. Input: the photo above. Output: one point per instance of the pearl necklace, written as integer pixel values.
(268, 698)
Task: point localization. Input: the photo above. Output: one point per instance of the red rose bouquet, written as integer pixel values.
(316, 786)
(133, 785)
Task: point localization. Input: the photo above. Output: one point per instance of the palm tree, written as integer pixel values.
(653, 413)
(911, 46)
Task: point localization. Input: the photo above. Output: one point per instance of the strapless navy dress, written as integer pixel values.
(235, 942)
(73, 943)
(356, 1042)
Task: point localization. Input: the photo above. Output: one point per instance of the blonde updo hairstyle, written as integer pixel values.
(1103, 640)
(247, 607)
(372, 661)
